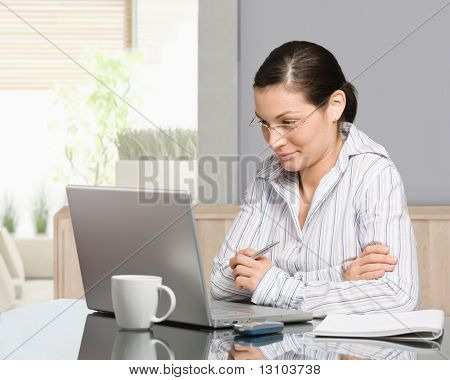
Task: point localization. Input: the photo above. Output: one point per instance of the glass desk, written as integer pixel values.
(66, 329)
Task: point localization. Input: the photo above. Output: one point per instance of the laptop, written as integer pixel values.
(152, 232)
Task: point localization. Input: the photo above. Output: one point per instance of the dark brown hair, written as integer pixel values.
(311, 69)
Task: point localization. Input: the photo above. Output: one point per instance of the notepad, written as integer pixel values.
(408, 326)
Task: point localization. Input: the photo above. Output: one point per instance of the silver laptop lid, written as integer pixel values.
(144, 232)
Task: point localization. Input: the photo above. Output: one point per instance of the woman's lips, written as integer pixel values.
(288, 156)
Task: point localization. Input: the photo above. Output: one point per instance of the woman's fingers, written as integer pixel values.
(375, 267)
(373, 263)
(238, 347)
(375, 248)
(243, 282)
(372, 275)
(352, 276)
(242, 257)
(242, 270)
(377, 258)
(370, 266)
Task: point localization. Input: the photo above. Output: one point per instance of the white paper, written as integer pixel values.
(413, 325)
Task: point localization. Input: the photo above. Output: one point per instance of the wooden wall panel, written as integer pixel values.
(438, 263)
(421, 231)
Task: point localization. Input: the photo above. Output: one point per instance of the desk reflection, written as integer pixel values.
(137, 345)
(304, 346)
(102, 339)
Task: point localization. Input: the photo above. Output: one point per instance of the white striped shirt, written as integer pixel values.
(361, 200)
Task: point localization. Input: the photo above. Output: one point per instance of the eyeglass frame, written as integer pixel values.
(269, 127)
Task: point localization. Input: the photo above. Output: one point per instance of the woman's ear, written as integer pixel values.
(337, 105)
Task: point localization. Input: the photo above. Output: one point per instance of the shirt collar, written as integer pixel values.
(355, 142)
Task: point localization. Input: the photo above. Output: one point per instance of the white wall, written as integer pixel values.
(26, 153)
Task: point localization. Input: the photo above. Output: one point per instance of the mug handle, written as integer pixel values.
(166, 347)
(173, 302)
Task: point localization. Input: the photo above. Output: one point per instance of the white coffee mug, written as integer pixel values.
(135, 300)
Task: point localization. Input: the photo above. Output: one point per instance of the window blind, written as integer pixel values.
(29, 61)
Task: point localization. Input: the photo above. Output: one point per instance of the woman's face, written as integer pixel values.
(310, 142)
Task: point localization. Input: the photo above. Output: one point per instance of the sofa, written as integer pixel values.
(7, 294)
(26, 270)
(13, 261)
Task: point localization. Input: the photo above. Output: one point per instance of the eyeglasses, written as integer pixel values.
(282, 128)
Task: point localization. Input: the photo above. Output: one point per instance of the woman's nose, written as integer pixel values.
(276, 139)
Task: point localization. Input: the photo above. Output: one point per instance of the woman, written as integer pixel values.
(329, 194)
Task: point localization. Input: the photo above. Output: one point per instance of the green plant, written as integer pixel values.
(40, 213)
(169, 144)
(9, 218)
(90, 118)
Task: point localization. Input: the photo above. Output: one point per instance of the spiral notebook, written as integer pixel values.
(408, 326)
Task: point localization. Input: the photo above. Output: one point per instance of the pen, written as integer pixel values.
(263, 250)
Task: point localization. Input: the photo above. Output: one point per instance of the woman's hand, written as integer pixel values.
(351, 357)
(239, 352)
(248, 272)
(373, 263)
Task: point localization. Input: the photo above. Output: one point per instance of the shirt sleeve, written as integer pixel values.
(241, 234)
(383, 217)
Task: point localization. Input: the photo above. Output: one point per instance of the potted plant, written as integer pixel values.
(91, 117)
(164, 159)
(40, 213)
(37, 252)
(9, 217)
